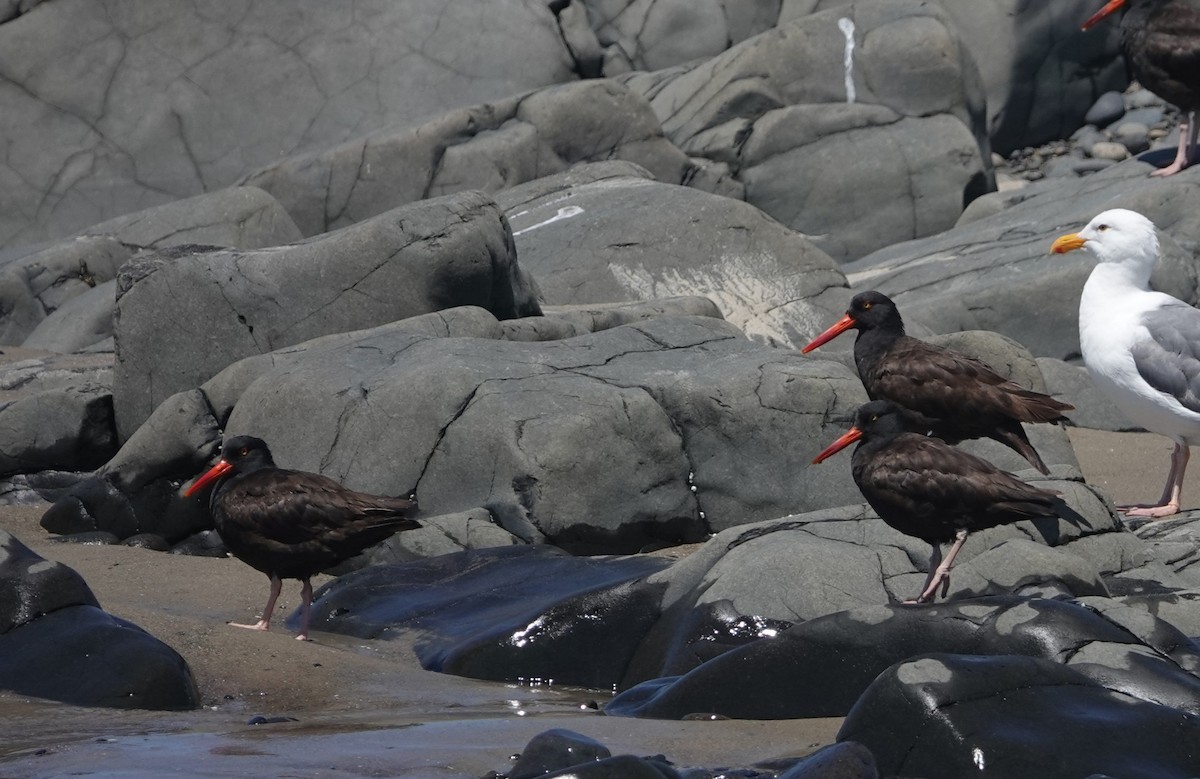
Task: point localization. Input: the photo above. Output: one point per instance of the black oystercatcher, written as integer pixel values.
(1142, 348)
(1161, 41)
(292, 524)
(962, 397)
(926, 488)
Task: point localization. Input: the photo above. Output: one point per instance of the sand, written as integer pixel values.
(367, 706)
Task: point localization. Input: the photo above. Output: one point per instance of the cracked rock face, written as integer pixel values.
(658, 432)
(600, 234)
(184, 315)
(127, 105)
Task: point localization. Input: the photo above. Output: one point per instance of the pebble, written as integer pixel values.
(1108, 108)
(1149, 116)
(1109, 150)
(1134, 136)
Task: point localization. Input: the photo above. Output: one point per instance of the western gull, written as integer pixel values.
(1141, 347)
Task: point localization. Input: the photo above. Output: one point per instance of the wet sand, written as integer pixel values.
(366, 707)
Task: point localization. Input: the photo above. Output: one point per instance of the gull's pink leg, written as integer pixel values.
(1172, 495)
(1184, 157)
(265, 622)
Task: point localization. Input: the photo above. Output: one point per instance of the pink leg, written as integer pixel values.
(305, 610)
(265, 622)
(941, 574)
(1184, 157)
(1172, 494)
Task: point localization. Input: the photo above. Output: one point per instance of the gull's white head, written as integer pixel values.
(1117, 235)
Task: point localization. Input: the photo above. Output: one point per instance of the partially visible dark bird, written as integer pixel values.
(962, 397)
(1161, 42)
(292, 524)
(928, 489)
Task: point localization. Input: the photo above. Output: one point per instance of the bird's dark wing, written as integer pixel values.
(1169, 358)
(947, 385)
(927, 478)
(307, 519)
(1166, 52)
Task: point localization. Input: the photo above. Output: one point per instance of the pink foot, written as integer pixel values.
(302, 637)
(260, 625)
(1170, 170)
(1153, 512)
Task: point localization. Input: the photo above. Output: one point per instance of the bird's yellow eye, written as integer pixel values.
(874, 417)
(867, 306)
(245, 451)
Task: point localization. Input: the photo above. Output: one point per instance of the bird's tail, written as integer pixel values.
(1038, 407)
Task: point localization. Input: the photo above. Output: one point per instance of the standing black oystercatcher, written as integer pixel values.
(961, 396)
(1161, 41)
(292, 524)
(927, 489)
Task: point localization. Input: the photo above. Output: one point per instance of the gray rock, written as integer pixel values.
(123, 106)
(629, 238)
(1109, 150)
(80, 322)
(36, 283)
(489, 147)
(777, 109)
(438, 535)
(608, 441)
(1107, 109)
(1134, 136)
(995, 273)
(419, 258)
(1093, 409)
(1149, 116)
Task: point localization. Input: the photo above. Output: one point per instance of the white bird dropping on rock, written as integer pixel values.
(846, 25)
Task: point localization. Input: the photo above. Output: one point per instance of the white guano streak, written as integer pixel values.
(846, 25)
(563, 213)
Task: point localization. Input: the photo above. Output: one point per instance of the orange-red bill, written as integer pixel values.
(214, 473)
(1109, 7)
(841, 326)
(849, 437)
(1067, 243)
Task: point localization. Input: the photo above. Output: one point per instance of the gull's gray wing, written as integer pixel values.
(1169, 360)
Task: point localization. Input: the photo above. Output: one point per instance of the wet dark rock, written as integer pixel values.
(556, 749)
(949, 715)
(206, 543)
(844, 760)
(93, 538)
(152, 541)
(821, 667)
(511, 613)
(58, 644)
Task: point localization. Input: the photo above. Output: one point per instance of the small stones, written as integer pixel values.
(1109, 150)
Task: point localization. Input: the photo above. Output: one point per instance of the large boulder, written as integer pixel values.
(184, 314)
(37, 283)
(606, 442)
(116, 106)
(58, 643)
(1040, 72)
(605, 232)
(858, 126)
(945, 716)
(487, 147)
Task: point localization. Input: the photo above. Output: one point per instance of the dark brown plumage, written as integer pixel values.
(292, 524)
(1161, 43)
(962, 397)
(927, 489)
